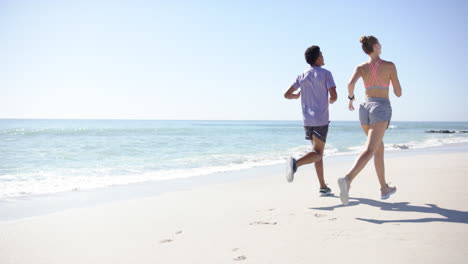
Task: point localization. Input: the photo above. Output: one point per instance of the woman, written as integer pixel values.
(375, 113)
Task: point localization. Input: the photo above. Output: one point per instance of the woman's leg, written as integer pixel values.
(380, 166)
(375, 135)
(378, 160)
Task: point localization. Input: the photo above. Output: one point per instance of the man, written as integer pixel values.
(316, 83)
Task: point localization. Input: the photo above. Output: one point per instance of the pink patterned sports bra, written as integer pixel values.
(375, 82)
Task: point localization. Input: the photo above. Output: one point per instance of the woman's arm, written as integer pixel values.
(395, 82)
(353, 81)
(351, 86)
(290, 93)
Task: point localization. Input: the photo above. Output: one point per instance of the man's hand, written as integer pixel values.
(332, 100)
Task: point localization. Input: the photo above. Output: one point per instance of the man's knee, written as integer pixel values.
(318, 147)
(318, 152)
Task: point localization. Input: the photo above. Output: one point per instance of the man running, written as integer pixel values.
(316, 83)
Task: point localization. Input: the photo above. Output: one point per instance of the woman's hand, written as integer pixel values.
(350, 105)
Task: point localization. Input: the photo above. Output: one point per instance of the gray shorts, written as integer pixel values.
(374, 110)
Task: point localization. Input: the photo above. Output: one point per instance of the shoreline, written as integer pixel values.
(234, 120)
(95, 162)
(37, 205)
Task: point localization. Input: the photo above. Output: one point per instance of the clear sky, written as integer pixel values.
(218, 60)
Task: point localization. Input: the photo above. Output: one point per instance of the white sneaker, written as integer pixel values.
(344, 190)
(388, 193)
(290, 169)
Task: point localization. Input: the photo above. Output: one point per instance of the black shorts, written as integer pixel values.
(319, 132)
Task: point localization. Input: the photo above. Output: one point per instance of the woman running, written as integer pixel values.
(375, 113)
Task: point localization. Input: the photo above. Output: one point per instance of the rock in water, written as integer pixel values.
(440, 131)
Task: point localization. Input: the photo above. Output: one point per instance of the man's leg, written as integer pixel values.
(308, 158)
(315, 156)
(319, 147)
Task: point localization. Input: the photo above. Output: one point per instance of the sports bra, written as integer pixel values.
(375, 82)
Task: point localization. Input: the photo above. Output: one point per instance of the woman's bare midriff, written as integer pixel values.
(377, 93)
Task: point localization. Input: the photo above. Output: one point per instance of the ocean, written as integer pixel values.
(52, 156)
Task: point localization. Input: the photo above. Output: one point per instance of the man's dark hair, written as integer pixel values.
(311, 54)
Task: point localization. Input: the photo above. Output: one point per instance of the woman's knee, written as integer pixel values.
(369, 152)
(379, 153)
(379, 150)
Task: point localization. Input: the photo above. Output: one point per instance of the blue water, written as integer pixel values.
(50, 156)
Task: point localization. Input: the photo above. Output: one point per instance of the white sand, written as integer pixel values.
(266, 220)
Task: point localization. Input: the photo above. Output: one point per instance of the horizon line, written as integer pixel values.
(145, 119)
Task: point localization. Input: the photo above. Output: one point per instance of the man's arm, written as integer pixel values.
(330, 83)
(333, 95)
(395, 82)
(290, 93)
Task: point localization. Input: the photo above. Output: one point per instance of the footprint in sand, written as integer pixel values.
(271, 209)
(235, 249)
(263, 223)
(319, 215)
(170, 240)
(240, 258)
(332, 219)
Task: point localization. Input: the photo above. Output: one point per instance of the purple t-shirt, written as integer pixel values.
(314, 84)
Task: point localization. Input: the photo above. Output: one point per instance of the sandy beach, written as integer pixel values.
(266, 220)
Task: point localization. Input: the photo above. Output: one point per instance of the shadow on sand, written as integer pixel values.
(447, 215)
